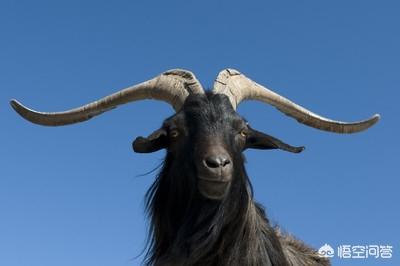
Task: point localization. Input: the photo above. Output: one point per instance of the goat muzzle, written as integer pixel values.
(215, 170)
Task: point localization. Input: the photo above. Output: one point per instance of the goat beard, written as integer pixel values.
(189, 229)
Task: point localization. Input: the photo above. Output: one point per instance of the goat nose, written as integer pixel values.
(217, 161)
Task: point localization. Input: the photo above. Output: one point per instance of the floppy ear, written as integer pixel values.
(156, 141)
(259, 140)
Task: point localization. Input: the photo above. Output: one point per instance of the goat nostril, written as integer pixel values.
(225, 162)
(212, 162)
(216, 161)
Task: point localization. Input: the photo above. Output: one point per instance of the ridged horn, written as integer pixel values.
(172, 86)
(239, 88)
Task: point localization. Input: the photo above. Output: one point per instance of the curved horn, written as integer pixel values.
(172, 87)
(239, 88)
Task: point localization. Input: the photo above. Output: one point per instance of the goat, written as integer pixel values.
(201, 204)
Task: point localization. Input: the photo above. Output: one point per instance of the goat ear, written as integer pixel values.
(262, 141)
(156, 141)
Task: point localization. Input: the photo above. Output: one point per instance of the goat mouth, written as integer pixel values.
(214, 180)
(212, 188)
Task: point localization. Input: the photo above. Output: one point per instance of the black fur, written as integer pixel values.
(189, 229)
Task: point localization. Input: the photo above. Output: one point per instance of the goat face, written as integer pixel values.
(209, 136)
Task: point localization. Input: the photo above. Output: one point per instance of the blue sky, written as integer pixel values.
(74, 195)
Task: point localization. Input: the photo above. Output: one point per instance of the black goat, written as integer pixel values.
(201, 204)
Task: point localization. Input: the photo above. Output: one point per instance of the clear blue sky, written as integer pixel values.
(74, 195)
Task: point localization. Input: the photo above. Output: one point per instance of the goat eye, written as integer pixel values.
(174, 133)
(243, 133)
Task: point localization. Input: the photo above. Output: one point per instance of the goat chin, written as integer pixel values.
(213, 190)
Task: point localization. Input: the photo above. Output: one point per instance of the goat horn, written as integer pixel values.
(239, 88)
(172, 86)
